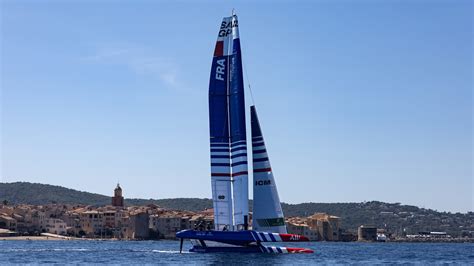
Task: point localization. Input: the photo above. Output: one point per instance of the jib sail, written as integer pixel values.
(267, 211)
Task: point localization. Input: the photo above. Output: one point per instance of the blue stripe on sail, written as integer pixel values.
(260, 151)
(219, 150)
(239, 149)
(237, 143)
(258, 145)
(262, 235)
(238, 155)
(256, 160)
(239, 163)
(220, 156)
(220, 164)
(270, 250)
(219, 145)
(272, 237)
(279, 250)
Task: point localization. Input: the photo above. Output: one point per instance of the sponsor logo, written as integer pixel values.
(203, 233)
(220, 69)
(226, 27)
(263, 182)
(221, 197)
(295, 237)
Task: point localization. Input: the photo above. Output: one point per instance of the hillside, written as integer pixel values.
(393, 216)
(40, 194)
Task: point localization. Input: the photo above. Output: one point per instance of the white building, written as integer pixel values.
(56, 226)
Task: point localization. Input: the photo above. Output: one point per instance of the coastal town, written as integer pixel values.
(120, 222)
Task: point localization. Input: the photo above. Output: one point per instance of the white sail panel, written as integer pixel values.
(222, 203)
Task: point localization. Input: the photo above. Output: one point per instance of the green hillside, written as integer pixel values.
(40, 194)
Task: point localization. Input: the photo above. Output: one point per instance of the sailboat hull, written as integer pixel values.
(250, 249)
(247, 241)
(236, 249)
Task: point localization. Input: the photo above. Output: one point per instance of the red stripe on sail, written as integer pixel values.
(220, 174)
(219, 50)
(262, 170)
(240, 173)
(228, 175)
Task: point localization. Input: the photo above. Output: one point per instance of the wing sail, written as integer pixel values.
(221, 178)
(229, 164)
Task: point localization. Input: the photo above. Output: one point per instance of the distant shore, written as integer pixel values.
(36, 238)
(43, 236)
(434, 240)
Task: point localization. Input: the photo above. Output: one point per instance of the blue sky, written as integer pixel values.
(358, 101)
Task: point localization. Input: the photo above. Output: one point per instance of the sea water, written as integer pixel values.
(153, 252)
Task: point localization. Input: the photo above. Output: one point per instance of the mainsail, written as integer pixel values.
(267, 212)
(229, 173)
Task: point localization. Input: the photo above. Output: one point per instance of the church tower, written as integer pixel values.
(117, 199)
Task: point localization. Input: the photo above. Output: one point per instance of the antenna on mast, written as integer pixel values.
(233, 11)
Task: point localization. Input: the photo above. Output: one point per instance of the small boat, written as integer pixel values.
(381, 237)
(229, 164)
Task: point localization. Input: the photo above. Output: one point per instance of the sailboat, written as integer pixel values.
(229, 164)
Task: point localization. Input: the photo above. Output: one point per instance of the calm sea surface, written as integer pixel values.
(152, 252)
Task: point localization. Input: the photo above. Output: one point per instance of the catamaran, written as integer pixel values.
(229, 164)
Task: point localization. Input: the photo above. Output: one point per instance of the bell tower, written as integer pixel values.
(117, 199)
